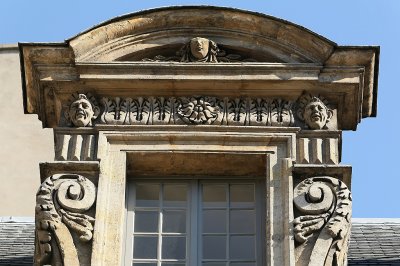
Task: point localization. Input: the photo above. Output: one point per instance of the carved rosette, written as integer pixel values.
(322, 228)
(61, 203)
(198, 110)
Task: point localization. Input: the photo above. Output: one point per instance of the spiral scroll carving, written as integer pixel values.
(324, 204)
(60, 205)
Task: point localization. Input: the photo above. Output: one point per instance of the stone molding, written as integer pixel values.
(61, 203)
(322, 225)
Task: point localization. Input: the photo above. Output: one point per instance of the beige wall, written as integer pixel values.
(23, 142)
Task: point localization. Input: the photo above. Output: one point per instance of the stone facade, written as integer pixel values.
(195, 96)
(22, 139)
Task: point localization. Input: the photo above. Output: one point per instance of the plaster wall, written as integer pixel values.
(23, 142)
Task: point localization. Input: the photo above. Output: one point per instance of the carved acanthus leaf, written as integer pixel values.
(197, 110)
(324, 204)
(60, 205)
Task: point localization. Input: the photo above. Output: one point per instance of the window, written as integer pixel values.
(197, 222)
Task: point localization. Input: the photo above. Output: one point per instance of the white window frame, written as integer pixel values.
(193, 228)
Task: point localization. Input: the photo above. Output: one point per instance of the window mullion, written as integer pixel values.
(160, 224)
(194, 223)
(228, 225)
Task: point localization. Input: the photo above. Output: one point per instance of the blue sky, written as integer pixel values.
(372, 150)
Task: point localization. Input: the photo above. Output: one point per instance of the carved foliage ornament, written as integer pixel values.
(197, 110)
(60, 205)
(199, 49)
(324, 204)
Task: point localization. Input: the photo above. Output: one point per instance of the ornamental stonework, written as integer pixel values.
(61, 203)
(202, 94)
(200, 110)
(200, 49)
(322, 225)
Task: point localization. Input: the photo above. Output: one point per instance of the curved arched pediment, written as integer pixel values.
(251, 36)
(112, 60)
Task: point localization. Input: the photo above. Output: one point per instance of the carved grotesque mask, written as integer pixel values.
(316, 115)
(81, 112)
(199, 47)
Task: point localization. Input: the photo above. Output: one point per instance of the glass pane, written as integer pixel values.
(147, 195)
(175, 195)
(146, 221)
(214, 196)
(242, 247)
(242, 196)
(242, 264)
(144, 264)
(174, 221)
(173, 264)
(242, 221)
(173, 247)
(214, 247)
(214, 221)
(145, 247)
(213, 264)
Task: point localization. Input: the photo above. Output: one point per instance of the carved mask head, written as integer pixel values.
(199, 47)
(316, 114)
(82, 111)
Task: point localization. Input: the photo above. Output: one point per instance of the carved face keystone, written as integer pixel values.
(199, 47)
(81, 113)
(316, 115)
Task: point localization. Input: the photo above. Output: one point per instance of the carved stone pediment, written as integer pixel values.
(286, 53)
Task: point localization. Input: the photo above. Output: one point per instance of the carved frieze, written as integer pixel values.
(199, 49)
(311, 112)
(61, 203)
(322, 226)
(197, 110)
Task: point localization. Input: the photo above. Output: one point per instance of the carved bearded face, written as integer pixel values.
(199, 47)
(316, 115)
(81, 112)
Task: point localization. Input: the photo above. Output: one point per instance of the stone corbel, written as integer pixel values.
(62, 204)
(323, 221)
